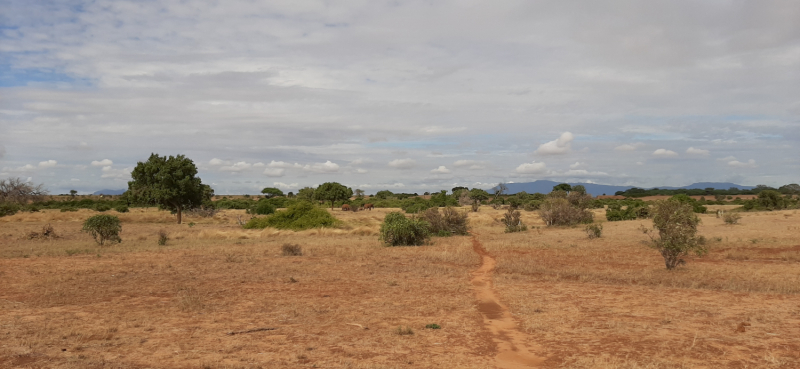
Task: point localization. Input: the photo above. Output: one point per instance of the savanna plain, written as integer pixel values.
(219, 296)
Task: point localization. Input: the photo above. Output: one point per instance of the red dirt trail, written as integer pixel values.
(512, 353)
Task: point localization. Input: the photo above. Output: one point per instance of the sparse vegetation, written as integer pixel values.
(103, 228)
(404, 331)
(163, 237)
(731, 218)
(397, 230)
(562, 209)
(289, 249)
(512, 221)
(594, 230)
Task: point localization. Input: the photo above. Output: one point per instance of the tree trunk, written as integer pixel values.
(179, 215)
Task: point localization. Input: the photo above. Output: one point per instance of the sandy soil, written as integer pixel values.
(548, 297)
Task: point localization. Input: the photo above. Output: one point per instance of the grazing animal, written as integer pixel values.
(369, 206)
(345, 207)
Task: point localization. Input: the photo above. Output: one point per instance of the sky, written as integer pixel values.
(409, 96)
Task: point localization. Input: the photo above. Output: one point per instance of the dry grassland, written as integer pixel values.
(349, 302)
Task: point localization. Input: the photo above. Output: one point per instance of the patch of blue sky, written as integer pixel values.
(13, 77)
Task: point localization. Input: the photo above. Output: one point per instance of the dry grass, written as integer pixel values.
(602, 303)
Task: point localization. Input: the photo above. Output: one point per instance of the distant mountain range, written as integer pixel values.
(109, 192)
(543, 186)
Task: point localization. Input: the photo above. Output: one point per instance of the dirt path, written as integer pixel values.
(512, 353)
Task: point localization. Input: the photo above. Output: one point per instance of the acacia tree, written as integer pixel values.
(270, 192)
(332, 191)
(477, 195)
(170, 182)
(17, 191)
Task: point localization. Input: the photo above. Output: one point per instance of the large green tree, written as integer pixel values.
(332, 191)
(170, 182)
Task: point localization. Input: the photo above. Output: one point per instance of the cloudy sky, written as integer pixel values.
(409, 96)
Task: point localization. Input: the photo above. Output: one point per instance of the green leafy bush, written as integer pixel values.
(102, 207)
(449, 222)
(103, 228)
(66, 209)
(262, 207)
(300, 216)
(676, 224)
(397, 230)
(631, 212)
(8, 208)
(122, 209)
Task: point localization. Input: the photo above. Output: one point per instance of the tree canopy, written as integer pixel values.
(332, 191)
(272, 192)
(170, 182)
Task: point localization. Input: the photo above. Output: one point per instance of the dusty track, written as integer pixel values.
(512, 352)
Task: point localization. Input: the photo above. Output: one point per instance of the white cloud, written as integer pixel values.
(749, 164)
(285, 185)
(402, 163)
(532, 168)
(727, 158)
(274, 172)
(47, 164)
(102, 163)
(281, 164)
(119, 174)
(238, 167)
(664, 153)
(258, 165)
(629, 147)
(562, 145)
(216, 162)
(361, 171)
(576, 165)
(441, 170)
(470, 164)
(326, 167)
(693, 151)
(24, 168)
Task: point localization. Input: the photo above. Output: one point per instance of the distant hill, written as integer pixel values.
(544, 186)
(109, 192)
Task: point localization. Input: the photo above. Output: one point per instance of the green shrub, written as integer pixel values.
(594, 230)
(262, 207)
(677, 231)
(300, 216)
(103, 228)
(8, 208)
(122, 209)
(64, 210)
(102, 207)
(512, 221)
(397, 230)
(631, 212)
(449, 222)
(433, 326)
(163, 237)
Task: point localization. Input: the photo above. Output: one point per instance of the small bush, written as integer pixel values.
(289, 249)
(47, 232)
(449, 222)
(122, 209)
(300, 216)
(512, 221)
(103, 228)
(163, 237)
(397, 230)
(433, 326)
(594, 230)
(559, 211)
(676, 223)
(731, 218)
(70, 209)
(102, 207)
(404, 331)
